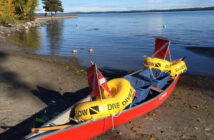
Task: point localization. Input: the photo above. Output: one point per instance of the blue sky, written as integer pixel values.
(120, 5)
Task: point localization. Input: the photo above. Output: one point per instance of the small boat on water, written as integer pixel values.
(117, 101)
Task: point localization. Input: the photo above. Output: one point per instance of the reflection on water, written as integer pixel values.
(205, 51)
(121, 40)
(27, 39)
(54, 33)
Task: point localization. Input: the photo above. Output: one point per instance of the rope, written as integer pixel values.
(117, 115)
(112, 118)
(151, 72)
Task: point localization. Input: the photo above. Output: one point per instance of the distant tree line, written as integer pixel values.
(12, 10)
(52, 6)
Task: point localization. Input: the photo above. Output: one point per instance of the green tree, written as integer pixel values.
(52, 6)
(7, 12)
(11, 10)
(26, 8)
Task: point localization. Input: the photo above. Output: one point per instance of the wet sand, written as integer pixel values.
(33, 86)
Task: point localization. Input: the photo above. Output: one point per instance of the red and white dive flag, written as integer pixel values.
(96, 80)
(162, 49)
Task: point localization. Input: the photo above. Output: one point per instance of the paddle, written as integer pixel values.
(50, 128)
(156, 89)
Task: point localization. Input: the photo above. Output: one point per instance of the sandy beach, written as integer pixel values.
(33, 86)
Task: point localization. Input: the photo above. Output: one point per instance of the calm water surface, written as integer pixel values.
(121, 40)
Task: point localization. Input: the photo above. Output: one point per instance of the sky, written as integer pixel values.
(125, 5)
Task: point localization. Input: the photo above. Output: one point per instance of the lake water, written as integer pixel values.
(121, 40)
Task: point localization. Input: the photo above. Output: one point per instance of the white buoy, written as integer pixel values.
(74, 51)
(164, 26)
(90, 50)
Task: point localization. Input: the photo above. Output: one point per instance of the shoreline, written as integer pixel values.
(39, 21)
(55, 17)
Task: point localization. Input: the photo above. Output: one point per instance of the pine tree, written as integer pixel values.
(52, 6)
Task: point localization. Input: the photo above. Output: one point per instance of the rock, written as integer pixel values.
(22, 27)
(18, 30)
(26, 27)
(28, 23)
(9, 25)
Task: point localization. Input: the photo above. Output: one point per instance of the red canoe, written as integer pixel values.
(92, 128)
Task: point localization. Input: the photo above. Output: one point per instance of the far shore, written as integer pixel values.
(55, 17)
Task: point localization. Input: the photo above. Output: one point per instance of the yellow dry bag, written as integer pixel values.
(156, 63)
(177, 67)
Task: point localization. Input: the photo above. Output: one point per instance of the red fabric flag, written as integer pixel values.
(162, 49)
(103, 83)
(96, 79)
(92, 81)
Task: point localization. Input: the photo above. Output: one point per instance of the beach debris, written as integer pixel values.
(183, 137)
(136, 128)
(74, 51)
(208, 134)
(131, 134)
(162, 131)
(119, 133)
(196, 128)
(207, 128)
(149, 118)
(195, 107)
(198, 120)
(90, 50)
(152, 138)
